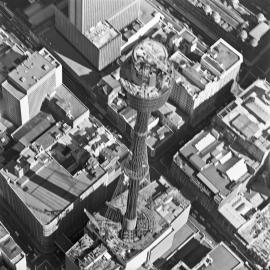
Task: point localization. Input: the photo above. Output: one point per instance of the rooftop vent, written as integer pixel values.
(45, 67)
(22, 79)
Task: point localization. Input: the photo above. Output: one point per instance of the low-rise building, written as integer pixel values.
(171, 117)
(90, 254)
(163, 124)
(60, 169)
(220, 257)
(216, 171)
(158, 139)
(255, 236)
(12, 54)
(11, 255)
(246, 120)
(64, 106)
(238, 208)
(203, 80)
(234, 21)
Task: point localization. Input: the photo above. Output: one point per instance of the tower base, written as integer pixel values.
(136, 229)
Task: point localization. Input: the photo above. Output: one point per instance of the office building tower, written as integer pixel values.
(85, 14)
(26, 86)
(93, 27)
(147, 79)
(100, 44)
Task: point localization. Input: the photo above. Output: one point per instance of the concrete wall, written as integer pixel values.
(157, 251)
(78, 40)
(125, 16)
(17, 111)
(182, 219)
(141, 32)
(160, 243)
(21, 264)
(37, 95)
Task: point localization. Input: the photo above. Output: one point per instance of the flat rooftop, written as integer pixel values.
(214, 162)
(128, 114)
(259, 30)
(256, 234)
(236, 211)
(89, 254)
(47, 189)
(8, 246)
(34, 128)
(157, 135)
(242, 206)
(146, 11)
(65, 100)
(249, 115)
(224, 54)
(223, 258)
(159, 205)
(108, 84)
(195, 73)
(89, 140)
(101, 34)
(30, 71)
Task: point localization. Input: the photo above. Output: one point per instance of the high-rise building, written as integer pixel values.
(100, 44)
(93, 27)
(27, 86)
(147, 78)
(85, 14)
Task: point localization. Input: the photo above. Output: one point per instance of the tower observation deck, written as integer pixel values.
(147, 77)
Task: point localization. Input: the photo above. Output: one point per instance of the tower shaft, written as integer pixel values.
(137, 167)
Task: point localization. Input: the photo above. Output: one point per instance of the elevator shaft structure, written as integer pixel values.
(147, 78)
